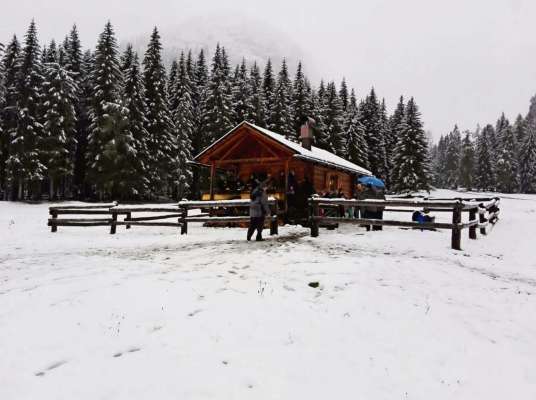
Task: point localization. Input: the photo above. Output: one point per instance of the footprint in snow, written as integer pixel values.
(52, 366)
(131, 350)
(193, 313)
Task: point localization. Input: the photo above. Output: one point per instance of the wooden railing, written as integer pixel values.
(486, 208)
(224, 211)
(218, 211)
(101, 210)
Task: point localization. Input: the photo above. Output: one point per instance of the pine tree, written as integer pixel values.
(83, 126)
(392, 132)
(268, 89)
(333, 120)
(173, 85)
(343, 95)
(485, 173)
(411, 163)
(356, 143)
(467, 162)
(386, 136)
(452, 160)
(60, 94)
(301, 102)
(133, 158)
(242, 108)
(161, 143)
(184, 121)
(281, 120)
(24, 165)
(3, 133)
(217, 113)
(318, 108)
(507, 164)
(527, 166)
(106, 114)
(371, 120)
(256, 97)
(520, 128)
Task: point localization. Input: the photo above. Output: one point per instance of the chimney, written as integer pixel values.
(306, 133)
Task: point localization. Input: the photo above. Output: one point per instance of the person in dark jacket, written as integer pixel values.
(258, 210)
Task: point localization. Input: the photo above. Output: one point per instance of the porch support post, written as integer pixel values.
(287, 161)
(212, 176)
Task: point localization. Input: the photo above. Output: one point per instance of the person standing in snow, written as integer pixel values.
(258, 210)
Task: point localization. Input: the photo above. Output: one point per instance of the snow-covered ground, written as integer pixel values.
(146, 314)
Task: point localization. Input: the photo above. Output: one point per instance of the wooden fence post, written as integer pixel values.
(129, 215)
(482, 218)
(54, 227)
(113, 226)
(274, 222)
(456, 231)
(183, 220)
(313, 212)
(472, 217)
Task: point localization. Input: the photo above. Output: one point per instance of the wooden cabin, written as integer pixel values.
(249, 150)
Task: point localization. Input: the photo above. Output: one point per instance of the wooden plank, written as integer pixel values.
(141, 223)
(220, 203)
(85, 224)
(260, 160)
(80, 212)
(383, 222)
(225, 219)
(84, 207)
(125, 210)
(59, 221)
(155, 217)
(472, 223)
(379, 203)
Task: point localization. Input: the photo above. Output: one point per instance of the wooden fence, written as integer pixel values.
(218, 212)
(486, 208)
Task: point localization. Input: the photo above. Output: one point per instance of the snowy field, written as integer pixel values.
(145, 314)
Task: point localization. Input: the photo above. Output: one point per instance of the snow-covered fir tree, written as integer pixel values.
(3, 135)
(467, 162)
(217, 110)
(268, 89)
(356, 143)
(161, 141)
(104, 107)
(452, 159)
(281, 120)
(24, 166)
(301, 99)
(393, 132)
(411, 166)
(485, 178)
(507, 162)
(527, 161)
(172, 86)
(386, 136)
(256, 97)
(333, 120)
(343, 95)
(318, 109)
(371, 120)
(242, 108)
(520, 128)
(133, 157)
(60, 95)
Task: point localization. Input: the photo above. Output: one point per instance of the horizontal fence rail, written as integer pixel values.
(486, 208)
(224, 211)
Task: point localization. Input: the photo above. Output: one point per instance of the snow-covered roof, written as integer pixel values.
(314, 155)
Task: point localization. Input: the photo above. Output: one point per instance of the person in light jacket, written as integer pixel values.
(259, 209)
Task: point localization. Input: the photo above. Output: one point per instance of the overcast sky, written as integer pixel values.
(464, 61)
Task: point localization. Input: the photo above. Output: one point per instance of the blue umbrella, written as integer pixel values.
(372, 180)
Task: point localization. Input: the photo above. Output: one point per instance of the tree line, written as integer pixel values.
(500, 157)
(103, 124)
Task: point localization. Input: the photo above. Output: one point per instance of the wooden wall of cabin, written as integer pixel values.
(329, 180)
